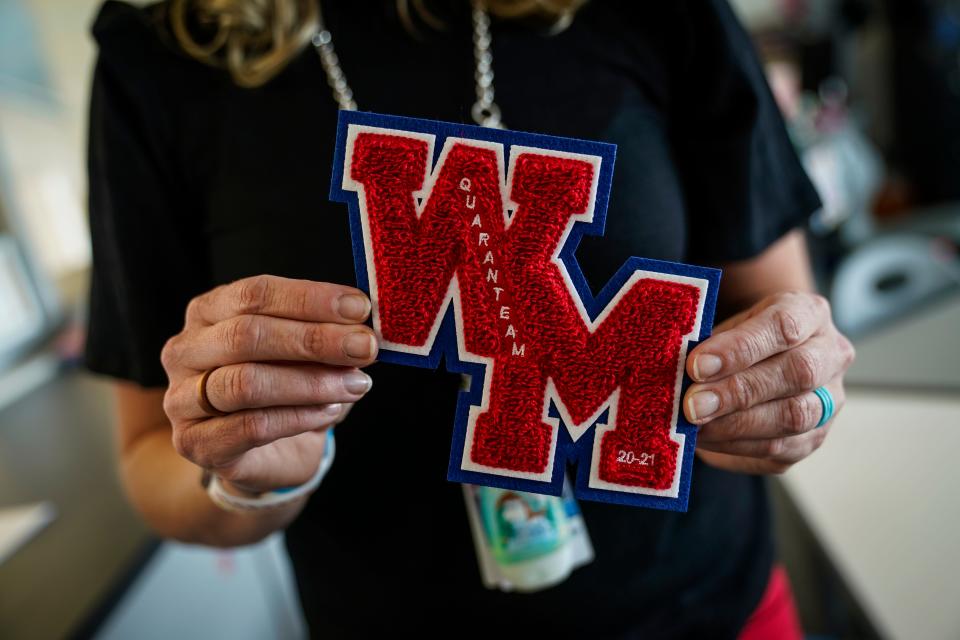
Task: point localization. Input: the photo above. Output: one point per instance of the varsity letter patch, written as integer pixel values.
(464, 238)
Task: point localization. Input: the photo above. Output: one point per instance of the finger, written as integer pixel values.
(285, 463)
(734, 320)
(786, 323)
(741, 464)
(787, 417)
(264, 338)
(746, 314)
(266, 295)
(787, 374)
(252, 385)
(786, 450)
(220, 441)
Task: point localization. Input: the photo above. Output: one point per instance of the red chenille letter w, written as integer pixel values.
(485, 234)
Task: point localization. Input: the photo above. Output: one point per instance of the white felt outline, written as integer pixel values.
(432, 171)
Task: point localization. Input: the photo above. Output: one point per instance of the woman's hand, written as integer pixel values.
(754, 377)
(285, 355)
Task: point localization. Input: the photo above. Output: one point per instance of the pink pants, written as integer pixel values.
(775, 618)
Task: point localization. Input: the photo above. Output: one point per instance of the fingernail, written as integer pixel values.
(703, 404)
(705, 366)
(332, 409)
(352, 306)
(359, 345)
(357, 382)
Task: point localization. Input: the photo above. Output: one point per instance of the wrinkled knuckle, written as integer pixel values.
(316, 342)
(737, 425)
(744, 391)
(744, 348)
(252, 294)
(788, 326)
(255, 428)
(321, 385)
(202, 456)
(775, 447)
(170, 354)
(242, 383)
(799, 416)
(242, 335)
(193, 309)
(753, 421)
(184, 443)
(304, 417)
(806, 368)
(169, 403)
(300, 301)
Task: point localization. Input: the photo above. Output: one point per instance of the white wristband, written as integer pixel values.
(276, 498)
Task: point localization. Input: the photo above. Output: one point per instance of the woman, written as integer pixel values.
(216, 253)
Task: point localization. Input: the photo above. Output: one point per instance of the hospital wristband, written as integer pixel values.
(276, 498)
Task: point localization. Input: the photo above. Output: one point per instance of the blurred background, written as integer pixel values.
(869, 527)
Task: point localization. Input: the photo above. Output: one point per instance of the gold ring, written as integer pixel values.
(202, 399)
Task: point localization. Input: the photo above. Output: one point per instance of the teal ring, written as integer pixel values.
(826, 402)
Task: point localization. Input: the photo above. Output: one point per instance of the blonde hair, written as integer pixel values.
(255, 39)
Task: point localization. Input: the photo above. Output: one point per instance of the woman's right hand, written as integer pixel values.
(285, 355)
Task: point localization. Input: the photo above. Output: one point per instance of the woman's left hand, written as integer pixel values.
(754, 378)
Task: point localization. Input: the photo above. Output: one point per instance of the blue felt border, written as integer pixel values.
(446, 343)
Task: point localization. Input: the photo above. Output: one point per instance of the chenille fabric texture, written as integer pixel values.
(516, 307)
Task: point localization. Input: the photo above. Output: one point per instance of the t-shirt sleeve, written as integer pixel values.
(745, 184)
(148, 255)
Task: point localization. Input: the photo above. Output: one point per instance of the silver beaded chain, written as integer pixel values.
(485, 111)
(342, 93)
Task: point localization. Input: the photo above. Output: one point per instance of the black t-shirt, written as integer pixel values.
(196, 182)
